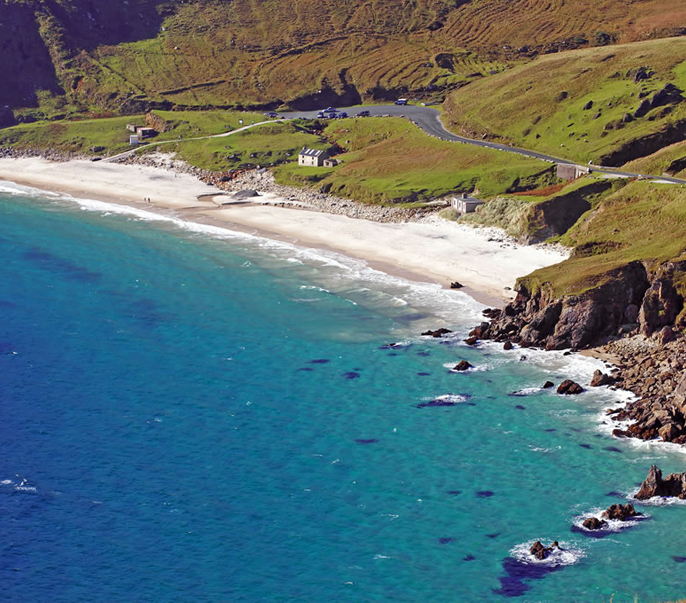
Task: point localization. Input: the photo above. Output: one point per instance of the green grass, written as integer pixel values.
(79, 136)
(265, 145)
(670, 160)
(389, 160)
(642, 221)
(541, 105)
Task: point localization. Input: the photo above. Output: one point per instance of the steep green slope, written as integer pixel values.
(599, 104)
(223, 53)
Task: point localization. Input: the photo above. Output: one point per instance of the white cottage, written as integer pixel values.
(465, 204)
(312, 157)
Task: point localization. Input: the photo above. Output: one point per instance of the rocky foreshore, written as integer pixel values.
(262, 180)
(635, 321)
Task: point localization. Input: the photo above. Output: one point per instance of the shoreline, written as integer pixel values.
(434, 251)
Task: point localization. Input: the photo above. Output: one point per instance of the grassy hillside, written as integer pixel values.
(581, 104)
(391, 160)
(641, 221)
(79, 136)
(69, 55)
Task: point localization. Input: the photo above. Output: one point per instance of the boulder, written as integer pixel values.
(437, 333)
(569, 387)
(245, 194)
(669, 432)
(643, 108)
(456, 285)
(507, 345)
(543, 552)
(600, 378)
(471, 340)
(620, 512)
(653, 485)
(548, 385)
(666, 335)
(593, 523)
(463, 365)
(588, 105)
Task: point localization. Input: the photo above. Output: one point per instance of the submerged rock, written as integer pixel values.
(674, 485)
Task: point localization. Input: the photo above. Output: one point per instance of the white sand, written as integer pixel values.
(434, 250)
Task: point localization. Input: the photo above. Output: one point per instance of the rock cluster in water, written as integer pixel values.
(674, 485)
(542, 552)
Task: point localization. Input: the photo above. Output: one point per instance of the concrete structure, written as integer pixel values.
(330, 163)
(146, 132)
(465, 204)
(312, 157)
(133, 139)
(569, 171)
(133, 127)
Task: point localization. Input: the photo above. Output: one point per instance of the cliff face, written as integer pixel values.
(631, 299)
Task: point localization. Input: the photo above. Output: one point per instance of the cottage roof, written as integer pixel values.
(313, 152)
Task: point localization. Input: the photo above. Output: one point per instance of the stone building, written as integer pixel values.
(312, 157)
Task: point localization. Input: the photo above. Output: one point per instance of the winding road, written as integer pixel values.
(426, 118)
(429, 120)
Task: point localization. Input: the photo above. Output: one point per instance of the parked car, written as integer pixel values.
(342, 115)
(271, 114)
(330, 110)
(363, 114)
(321, 115)
(401, 101)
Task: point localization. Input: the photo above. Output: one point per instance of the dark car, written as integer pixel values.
(321, 115)
(271, 114)
(401, 101)
(364, 114)
(342, 115)
(330, 110)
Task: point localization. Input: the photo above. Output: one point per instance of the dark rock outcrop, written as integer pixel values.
(573, 321)
(463, 365)
(593, 523)
(674, 485)
(569, 387)
(437, 333)
(548, 385)
(600, 378)
(620, 512)
(543, 552)
(456, 285)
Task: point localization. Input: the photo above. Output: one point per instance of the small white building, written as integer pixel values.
(134, 139)
(465, 204)
(312, 157)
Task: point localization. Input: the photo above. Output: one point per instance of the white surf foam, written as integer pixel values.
(348, 274)
(569, 554)
(612, 525)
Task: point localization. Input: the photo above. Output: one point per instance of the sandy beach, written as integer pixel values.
(483, 260)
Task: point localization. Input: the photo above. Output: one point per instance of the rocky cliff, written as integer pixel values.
(639, 310)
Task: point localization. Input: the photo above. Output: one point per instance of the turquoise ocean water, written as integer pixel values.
(194, 415)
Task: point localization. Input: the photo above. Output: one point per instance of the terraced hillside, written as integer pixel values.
(605, 105)
(69, 55)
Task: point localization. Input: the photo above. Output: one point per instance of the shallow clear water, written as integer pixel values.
(191, 416)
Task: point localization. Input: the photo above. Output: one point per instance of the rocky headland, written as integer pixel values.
(634, 320)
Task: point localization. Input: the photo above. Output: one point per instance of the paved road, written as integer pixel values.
(429, 120)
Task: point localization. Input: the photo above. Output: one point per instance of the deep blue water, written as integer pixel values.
(193, 418)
